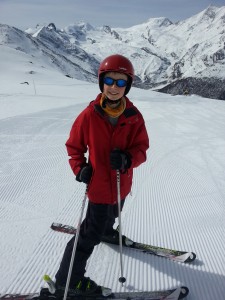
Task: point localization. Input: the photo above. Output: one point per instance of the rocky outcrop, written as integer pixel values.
(206, 87)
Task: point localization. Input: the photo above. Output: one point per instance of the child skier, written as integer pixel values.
(113, 132)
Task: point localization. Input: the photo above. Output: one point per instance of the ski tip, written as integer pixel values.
(106, 291)
(184, 291)
(191, 258)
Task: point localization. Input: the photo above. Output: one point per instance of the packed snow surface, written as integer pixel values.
(177, 199)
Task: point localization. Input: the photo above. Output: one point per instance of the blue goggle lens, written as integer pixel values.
(111, 81)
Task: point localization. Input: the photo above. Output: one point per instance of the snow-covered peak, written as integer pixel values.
(51, 26)
(206, 17)
(35, 31)
(158, 22)
(209, 13)
(79, 26)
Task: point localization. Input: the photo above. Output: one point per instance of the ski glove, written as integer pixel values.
(85, 174)
(119, 160)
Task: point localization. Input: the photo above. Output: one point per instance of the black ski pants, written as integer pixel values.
(99, 220)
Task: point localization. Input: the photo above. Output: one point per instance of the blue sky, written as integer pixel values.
(115, 13)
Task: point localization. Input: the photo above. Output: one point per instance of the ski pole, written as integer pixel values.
(75, 246)
(122, 279)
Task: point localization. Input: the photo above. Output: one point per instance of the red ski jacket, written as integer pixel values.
(93, 133)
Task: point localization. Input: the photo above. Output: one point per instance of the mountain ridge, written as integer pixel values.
(164, 53)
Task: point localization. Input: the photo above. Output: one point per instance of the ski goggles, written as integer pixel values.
(118, 82)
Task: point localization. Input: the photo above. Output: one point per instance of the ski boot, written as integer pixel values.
(84, 287)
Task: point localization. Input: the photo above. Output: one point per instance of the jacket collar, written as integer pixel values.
(129, 112)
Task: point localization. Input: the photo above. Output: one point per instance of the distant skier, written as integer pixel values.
(113, 132)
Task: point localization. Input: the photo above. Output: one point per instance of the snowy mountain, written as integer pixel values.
(175, 57)
(52, 50)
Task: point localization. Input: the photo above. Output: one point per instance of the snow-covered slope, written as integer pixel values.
(162, 52)
(177, 197)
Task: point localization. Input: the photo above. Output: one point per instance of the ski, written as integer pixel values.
(18, 296)
(51, 293)
(175, 255)
(173, 294)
